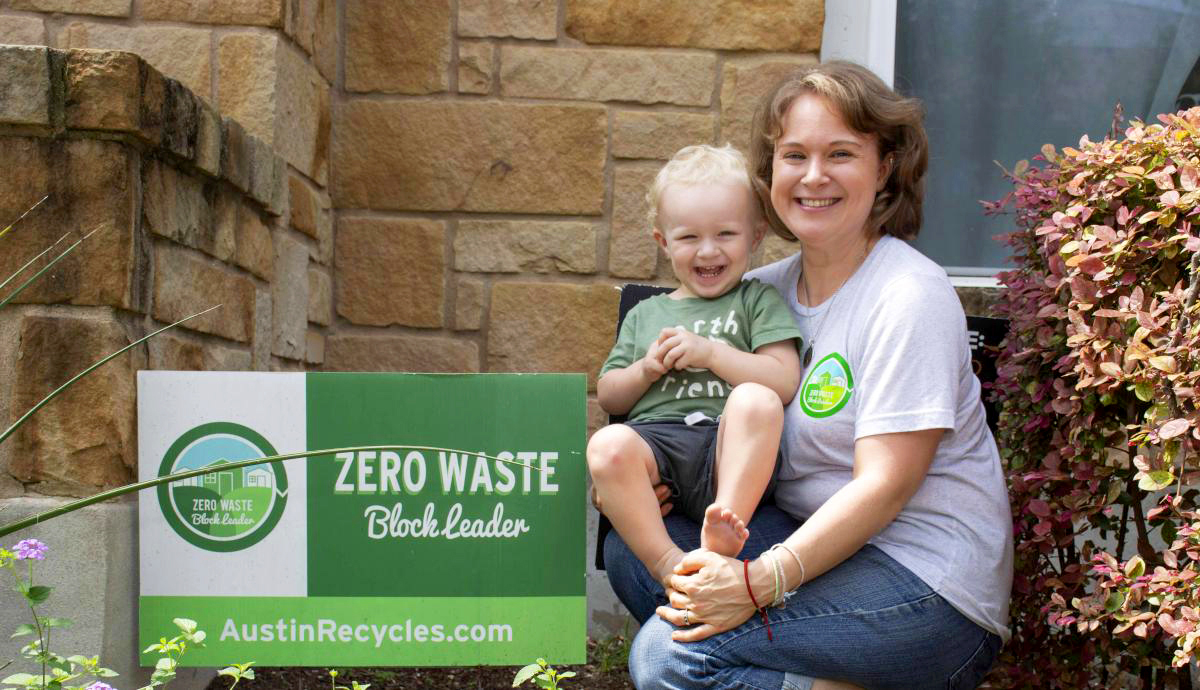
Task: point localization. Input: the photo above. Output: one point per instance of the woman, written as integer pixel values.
(899, 573)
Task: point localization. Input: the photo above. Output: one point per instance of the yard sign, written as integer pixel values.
(412, 557)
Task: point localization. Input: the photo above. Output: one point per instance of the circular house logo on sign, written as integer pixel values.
(225, 510)
(827, 387)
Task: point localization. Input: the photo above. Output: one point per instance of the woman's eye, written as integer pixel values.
(841, 154)
(793, 156)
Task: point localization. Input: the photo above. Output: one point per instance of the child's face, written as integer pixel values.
(708, 232)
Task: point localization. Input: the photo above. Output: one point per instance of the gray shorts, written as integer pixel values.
(686, 455)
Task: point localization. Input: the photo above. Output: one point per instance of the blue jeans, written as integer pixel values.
(869, 621)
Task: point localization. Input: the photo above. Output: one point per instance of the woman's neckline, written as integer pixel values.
(855, 271)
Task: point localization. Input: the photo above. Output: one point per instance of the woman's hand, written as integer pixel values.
(711, 589)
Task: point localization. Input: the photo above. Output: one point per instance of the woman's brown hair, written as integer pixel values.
(869, 107)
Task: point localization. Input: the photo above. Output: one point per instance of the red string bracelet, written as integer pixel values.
(761, 610)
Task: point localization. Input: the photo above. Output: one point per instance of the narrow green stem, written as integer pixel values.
(9, 431)
(29, 263)
(138, 486)
(22, 217)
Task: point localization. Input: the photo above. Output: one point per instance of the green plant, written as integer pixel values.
(237, 672)
(354, 684)
(1099, 422)
(55, 671)
(612, 653)
(173, 649)
(543, 675)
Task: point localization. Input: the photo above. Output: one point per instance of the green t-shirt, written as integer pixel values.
(747, 317)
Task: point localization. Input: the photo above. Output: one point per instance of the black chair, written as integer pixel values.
(984, 334)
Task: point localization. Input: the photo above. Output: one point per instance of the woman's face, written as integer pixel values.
(824, 174)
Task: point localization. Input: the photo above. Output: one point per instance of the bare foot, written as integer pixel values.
(723, 532)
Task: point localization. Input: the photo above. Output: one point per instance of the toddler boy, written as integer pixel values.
(702, 372)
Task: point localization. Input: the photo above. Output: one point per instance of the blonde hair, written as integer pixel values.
(869, 107)
(698, 165)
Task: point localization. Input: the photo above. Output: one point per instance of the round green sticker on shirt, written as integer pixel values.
(827, 387)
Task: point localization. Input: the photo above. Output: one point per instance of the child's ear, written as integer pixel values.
(660, 238)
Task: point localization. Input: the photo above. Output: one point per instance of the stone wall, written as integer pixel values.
(422, 185)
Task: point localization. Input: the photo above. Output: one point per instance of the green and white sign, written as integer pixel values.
(435, 553)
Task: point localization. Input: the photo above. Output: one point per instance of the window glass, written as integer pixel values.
(1001, 79)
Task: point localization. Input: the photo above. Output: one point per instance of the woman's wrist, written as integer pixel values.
(762, 582)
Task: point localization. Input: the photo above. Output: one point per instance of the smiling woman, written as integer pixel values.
(886, 435)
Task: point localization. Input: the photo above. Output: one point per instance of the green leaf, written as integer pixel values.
(1135, 567)
(525, 674)
(1144, 392)
(1155, 480)
(165, 664)
(21, 679)
(38, 594)
(1113, 601)
(187, 625)
(24, 629)
(59, 622)
(567, 674)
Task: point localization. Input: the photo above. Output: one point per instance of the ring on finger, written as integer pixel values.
(687, 617)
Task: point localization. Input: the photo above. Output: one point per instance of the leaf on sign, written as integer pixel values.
(1173, 428)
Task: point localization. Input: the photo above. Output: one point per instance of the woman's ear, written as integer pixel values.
(885, 171)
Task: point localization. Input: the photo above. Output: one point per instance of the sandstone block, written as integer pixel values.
(24, 86)
(103, 8)
(179, 53)
(501, 246)
(250, 165)
(208, 140)
(746, 81)
(186, 283)
(176, 206)
(322, 250)
(790, 26)
(400, 353)
(320, 296)
(632, 251)
(470, 295)
(641, 76)
(86, 437)
(314, 352)
(313, 24)
(304, 204)
(186, 125)
(475, 59)
(90, 186)
(22, 31)
(268, 87)
(391, 272)
(289, 297)
(516, 18)
(246, 12)
(397, 46)
(104, 91)
(470, 156)
(181, 352)
(551, 327)
(260, 349)
(255, 250)
(640, 134)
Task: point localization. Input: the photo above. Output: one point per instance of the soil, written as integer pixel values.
(589, 676)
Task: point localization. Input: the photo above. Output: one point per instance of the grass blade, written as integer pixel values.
(31, 261)
(32, 520)
(27, 212)
(9, 431)
(47, 267)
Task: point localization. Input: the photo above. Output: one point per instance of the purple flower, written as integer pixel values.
(100, 686)
(31, 548)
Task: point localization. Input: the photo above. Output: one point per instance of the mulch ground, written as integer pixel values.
(591, 676)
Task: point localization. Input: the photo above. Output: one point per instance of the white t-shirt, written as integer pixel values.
(890, 354)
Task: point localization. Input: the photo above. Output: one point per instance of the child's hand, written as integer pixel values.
(652, 363)
(680, 349)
